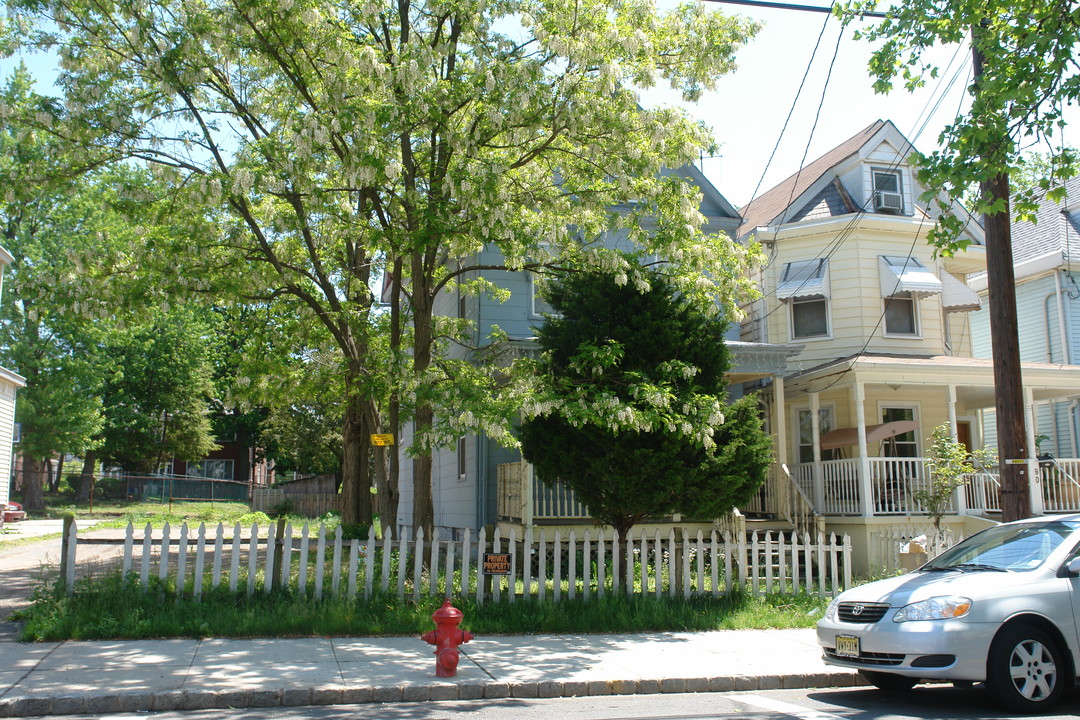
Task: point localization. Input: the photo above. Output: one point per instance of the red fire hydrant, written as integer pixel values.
(446, 637)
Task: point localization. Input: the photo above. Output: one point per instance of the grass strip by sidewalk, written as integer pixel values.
(111, 608)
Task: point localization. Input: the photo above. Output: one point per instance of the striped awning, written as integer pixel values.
(906, 275)
(807, 278)
(958, 297)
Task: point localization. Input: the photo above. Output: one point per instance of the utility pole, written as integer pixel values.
(1004, 339)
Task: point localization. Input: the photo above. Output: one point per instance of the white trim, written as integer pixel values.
(809, 338)
(876, 194)
(796, 437)
(1024, 270)
(14, 378)
(916, 317)
(533, 298)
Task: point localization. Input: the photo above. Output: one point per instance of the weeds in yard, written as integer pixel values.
(114, 607)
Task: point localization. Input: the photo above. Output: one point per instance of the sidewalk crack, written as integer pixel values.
(27, 673)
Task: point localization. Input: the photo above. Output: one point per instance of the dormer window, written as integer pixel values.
(888, 191)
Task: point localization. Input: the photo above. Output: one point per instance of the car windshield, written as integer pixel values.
(1016, 547)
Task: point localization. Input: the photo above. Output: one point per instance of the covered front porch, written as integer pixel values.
(860, 426)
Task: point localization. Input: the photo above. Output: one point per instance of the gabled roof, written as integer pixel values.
(771, 204)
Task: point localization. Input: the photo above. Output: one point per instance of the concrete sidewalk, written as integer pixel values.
(148, 675)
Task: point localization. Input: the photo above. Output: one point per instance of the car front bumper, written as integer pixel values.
(930, 649)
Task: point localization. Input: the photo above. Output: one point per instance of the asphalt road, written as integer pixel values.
(924, 703)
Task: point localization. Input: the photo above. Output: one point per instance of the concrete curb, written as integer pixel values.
(37, 706)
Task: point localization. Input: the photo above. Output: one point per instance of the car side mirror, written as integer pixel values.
(1073, 566)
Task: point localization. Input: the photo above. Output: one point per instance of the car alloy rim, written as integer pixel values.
(1033, 670)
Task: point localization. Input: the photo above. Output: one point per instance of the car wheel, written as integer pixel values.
(1024, 669)
(889, 681)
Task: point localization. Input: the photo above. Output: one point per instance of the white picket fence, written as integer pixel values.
(888, 545)
(540, 566)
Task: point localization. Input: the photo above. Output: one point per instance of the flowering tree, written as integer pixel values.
(331, 149)
(631, 407)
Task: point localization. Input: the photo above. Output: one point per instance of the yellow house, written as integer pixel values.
(886, 345)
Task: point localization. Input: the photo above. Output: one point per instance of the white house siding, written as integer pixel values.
(7, 423)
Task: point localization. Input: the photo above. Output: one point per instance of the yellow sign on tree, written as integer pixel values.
(382, 440)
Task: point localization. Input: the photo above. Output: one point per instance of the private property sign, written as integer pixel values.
(496, 563)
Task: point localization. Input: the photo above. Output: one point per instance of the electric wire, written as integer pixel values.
(930, 108)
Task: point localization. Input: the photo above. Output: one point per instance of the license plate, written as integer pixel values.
(847, 646)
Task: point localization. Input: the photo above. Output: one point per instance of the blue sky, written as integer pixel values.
(748, 109)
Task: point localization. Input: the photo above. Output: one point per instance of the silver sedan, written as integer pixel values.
(1002, 608)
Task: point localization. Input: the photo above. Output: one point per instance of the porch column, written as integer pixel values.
(529, 503)
(1072, 427)
(866, 484)
(815, 435)
(961, 492)
(780, 420)
(952, 411)
(1032, 467)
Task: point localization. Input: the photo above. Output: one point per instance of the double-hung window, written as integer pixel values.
(900, 315)
(903, 281)
(805, 285)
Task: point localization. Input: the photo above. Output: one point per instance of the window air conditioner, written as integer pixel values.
(888, 201)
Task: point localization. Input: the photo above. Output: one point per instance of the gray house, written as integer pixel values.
(481, 483)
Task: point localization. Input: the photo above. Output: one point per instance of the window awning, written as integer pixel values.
(807, 278)
(958, 297)
(906, 274)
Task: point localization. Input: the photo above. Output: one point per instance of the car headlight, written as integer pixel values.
(939, 608)
(830, 612)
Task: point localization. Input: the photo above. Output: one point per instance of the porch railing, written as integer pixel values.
(897, 482)
(523, 498)
(1060, 479)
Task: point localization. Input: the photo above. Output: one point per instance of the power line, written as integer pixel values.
(793, 6)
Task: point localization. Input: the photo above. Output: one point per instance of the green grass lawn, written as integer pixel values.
(111, 608)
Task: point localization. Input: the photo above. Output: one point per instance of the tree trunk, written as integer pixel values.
(386, 491)
(86, 479)
(423, 507)
(355, 469)
(391, 492)
(59, 474)
(47, 466)
(423, 339)
(33, 484)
